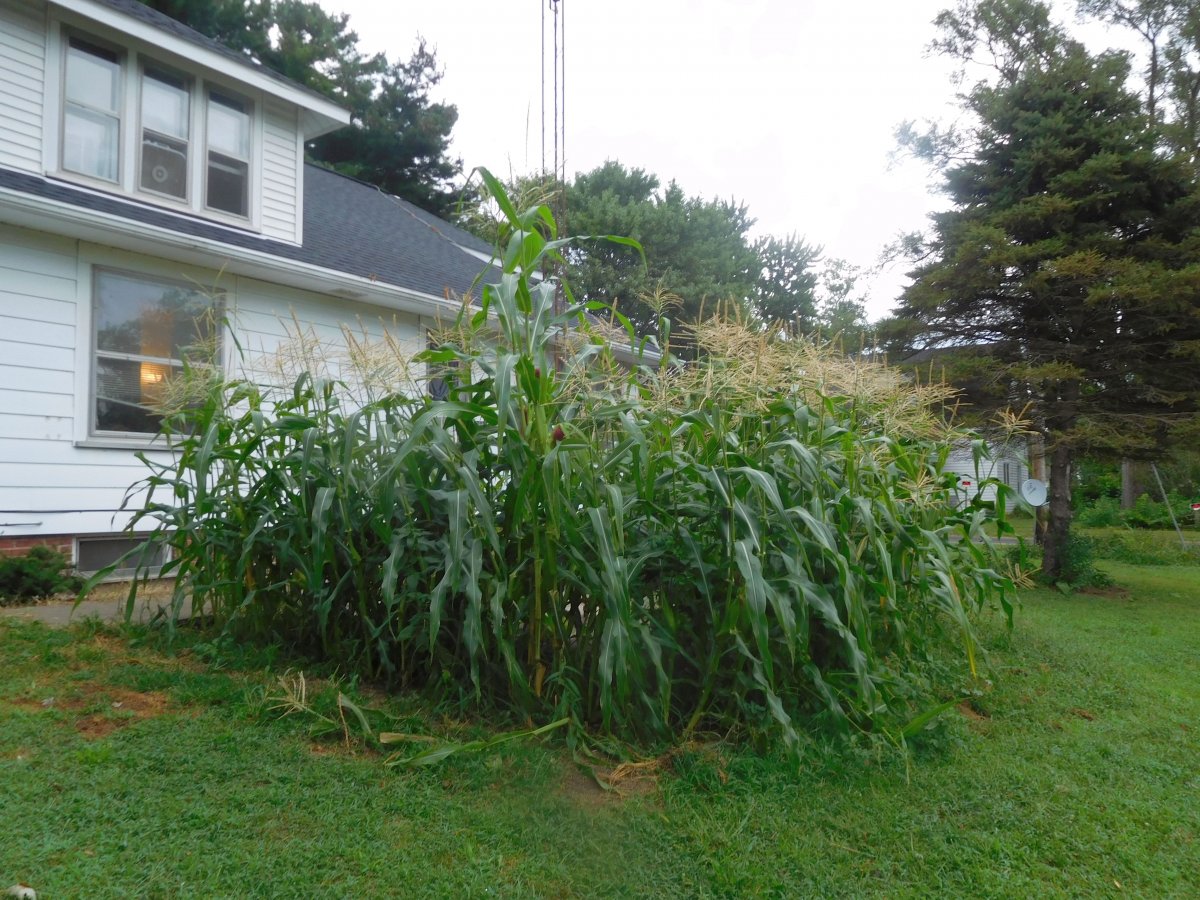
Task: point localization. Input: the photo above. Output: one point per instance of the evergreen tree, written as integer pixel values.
(785, 290)
(696, 250)
(1066, 270)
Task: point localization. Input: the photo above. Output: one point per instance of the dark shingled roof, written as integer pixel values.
(349, 227)
(142, 12)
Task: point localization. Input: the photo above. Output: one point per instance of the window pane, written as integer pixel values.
(93, 76)
(165, 104)
(164, 165)
(149, 318)
(228, 126)
(127, 394)
(228, 182)
(90, 143)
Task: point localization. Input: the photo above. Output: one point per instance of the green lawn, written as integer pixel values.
(1077, 775)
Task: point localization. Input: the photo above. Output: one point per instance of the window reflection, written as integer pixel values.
(144, 330)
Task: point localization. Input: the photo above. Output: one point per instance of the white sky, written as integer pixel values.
(786, 105)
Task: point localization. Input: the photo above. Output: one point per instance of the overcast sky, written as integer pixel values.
(786, 105)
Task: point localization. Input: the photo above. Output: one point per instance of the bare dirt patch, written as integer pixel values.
(125, 708)
(113, 707)
(1112, 591)
(159, 589)
(973, 713)
(612, 785)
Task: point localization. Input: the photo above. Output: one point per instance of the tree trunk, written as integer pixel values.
(1129, 491)
(1037, 470)
(1058, 528)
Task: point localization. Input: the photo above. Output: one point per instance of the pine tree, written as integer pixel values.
(1066, 269)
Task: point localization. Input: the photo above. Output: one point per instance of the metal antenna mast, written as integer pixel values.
(558, 102)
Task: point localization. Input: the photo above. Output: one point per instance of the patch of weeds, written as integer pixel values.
(97, 754)
(1145, 548)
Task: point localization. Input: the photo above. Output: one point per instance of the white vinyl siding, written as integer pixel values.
(22, 73)
(962, 463)
(31, 122)
(53, 478)
(267, 316)
(280, 175)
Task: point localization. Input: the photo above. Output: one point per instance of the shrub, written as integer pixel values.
(1079, 564)
(41, 572)
(1145, 548)
(760, 536)
(1100, 513)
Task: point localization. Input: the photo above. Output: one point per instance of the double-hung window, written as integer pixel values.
(166, 127)
(143, 330)
(192, 140)
(91, 141)
(228, 154)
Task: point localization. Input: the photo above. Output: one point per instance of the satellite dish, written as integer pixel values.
(1033, 492)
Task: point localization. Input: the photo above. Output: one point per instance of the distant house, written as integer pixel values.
(1008, 456)
(147, 172)
(1007, 462)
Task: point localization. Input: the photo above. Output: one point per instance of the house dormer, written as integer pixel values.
(113, 97)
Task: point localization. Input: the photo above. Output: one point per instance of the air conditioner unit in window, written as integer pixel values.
(164, 167)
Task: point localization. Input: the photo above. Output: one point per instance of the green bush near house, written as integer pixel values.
(41, 572)
(756, 542)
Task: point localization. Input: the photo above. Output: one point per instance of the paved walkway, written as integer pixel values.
(62, 613)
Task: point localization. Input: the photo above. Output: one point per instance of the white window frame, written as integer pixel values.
(134, 60)
(138, 150)
(121, 113)
(120, 574)
(248, 161)
(93, 430)
(93, 259)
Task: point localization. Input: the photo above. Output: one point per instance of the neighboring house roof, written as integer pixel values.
(138, 10)
(349, 227)
(935, 354)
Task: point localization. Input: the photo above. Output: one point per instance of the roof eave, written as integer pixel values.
(38, 213)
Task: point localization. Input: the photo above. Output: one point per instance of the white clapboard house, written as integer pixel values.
(146, 171)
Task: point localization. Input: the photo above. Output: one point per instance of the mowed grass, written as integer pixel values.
(1078, 774)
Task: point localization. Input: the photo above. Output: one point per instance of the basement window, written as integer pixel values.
(94, 553)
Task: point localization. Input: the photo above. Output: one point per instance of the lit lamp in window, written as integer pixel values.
(153, 377)
(153, 373)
